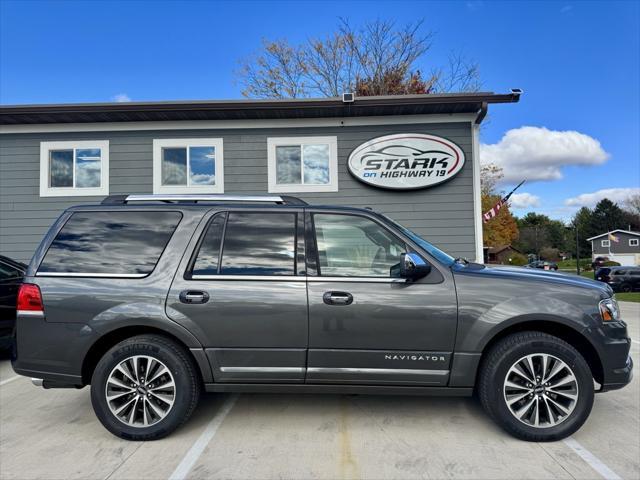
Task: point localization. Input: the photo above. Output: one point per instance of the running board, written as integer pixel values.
(337, 389)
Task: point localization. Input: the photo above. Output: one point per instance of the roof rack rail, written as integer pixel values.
(194, 198)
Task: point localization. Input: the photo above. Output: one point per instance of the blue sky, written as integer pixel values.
(578, 63)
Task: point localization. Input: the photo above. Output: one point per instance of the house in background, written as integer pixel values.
(620, 246)
(500, 254)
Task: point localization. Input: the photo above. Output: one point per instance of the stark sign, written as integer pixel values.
(406, 161)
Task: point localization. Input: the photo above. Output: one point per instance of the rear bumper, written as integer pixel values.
(51, 351)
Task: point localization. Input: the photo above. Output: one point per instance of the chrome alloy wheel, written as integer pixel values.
(541, 390)
(140, 391)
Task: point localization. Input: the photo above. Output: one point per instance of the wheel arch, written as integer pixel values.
(557, 329)
(115, 336)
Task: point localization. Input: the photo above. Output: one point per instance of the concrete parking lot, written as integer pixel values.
(54, 434)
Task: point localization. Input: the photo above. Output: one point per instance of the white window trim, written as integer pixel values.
(273, 142)
(605, 243)
(634, 242)
(159, 144)
(48, 191)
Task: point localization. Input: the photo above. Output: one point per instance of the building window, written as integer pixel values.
(605, 243)
(188, 165)
(633, 242)
(302, 164)
(74, 168)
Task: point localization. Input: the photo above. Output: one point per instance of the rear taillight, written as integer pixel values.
(29, 298)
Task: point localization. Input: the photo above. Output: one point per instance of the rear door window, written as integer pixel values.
(208, 258)
(110, 243)
(255, 243)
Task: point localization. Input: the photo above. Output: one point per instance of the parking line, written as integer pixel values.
(9, 380)
(191, 457)
(593, 461)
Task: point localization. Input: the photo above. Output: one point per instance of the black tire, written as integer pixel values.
(185, 376)
(626, 288)
(493, 373)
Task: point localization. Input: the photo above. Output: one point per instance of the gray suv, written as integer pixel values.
(151, 299)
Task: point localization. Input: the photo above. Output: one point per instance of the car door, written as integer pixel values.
(243, 292)
(367, 325)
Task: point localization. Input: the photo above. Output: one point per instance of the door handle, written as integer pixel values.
(194, 296)
(337, 298)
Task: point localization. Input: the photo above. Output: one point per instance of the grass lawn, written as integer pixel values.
(628, 297)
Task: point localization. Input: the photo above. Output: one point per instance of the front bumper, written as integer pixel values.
(624, 374)
(613, 344)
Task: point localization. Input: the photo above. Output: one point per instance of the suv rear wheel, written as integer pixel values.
(536, 386)
(144, 388)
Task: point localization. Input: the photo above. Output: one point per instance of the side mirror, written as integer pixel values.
(413, 267)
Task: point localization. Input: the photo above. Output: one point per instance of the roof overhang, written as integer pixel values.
(614, 231)
(311, 108)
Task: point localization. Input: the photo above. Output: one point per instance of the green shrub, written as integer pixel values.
(518, 259)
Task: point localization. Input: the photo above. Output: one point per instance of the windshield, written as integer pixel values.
(434, 251)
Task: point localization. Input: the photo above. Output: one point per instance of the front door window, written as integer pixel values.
(354, 246)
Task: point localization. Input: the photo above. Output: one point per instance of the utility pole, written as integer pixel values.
(577, 250)
(575, 226)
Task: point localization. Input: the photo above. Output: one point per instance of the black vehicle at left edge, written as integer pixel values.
(11, 275)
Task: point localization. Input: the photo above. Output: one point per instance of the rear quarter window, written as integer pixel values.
(110, 243)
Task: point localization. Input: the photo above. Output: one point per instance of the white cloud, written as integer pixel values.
(524, 200)
(616, 195)
(121, 97)
(537, 153)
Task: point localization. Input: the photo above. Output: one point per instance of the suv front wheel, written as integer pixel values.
(536, 386)
(145, 387)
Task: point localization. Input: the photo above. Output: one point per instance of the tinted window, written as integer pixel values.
(110, 242)
(7, 272)
(356, 246)
(207, 261)
(259, 244)
(619, 272)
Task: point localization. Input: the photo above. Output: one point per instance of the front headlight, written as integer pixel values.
(609, 310)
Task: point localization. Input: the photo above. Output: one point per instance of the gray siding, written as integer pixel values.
(441, 214)
(621, 247)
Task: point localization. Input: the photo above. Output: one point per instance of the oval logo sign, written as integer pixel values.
(406, 161)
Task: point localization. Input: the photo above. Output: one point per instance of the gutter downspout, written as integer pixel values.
(484, 108)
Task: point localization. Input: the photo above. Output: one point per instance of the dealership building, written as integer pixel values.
(414, 158)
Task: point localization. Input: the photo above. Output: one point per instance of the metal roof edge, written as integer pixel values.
(243, 104)
(614, 231)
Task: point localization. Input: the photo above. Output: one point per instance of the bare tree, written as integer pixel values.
(490, 176)
(460, 74)
(632, 204)
(377, 59)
